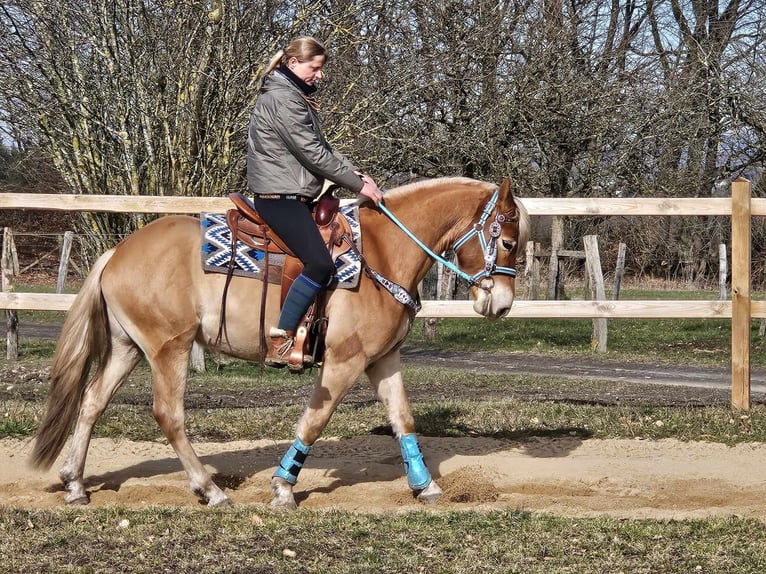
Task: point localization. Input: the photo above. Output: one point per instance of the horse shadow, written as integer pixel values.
(435, 425)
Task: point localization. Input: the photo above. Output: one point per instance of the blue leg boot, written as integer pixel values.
(418, 476)
(292, 461)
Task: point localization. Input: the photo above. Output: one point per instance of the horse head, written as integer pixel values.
(488, 251)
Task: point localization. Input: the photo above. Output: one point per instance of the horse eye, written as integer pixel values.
(509, 245)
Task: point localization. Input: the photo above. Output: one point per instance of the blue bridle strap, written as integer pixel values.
(477, 229)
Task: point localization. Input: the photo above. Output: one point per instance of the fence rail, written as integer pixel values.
(740, 310)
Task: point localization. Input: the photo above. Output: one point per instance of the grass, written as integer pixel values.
(446, 403)
(691, 341)
(256, 539)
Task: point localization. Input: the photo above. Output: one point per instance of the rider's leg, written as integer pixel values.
(292, 221)
(299, 298)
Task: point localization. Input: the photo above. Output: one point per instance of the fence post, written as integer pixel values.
(532, 271)
(619, 270)
(597, 291)
(197, 358)
(740, 294)
(10, 268)
(66, 249)
(723, 272)
(555, 279)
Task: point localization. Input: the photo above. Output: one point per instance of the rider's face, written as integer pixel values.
(309, 70)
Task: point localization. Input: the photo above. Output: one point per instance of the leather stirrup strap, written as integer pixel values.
(229, 274)
(262, 321)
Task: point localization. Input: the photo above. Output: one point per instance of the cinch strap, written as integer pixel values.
(292, 462)
(418, 476)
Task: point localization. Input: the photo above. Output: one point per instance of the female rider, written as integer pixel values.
(288, 160)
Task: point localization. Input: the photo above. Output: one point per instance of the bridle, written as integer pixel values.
(483, 278)
(489, 248)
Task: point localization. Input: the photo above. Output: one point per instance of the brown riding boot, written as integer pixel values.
(280, 346)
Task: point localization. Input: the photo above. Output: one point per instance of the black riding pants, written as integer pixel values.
(292, 222)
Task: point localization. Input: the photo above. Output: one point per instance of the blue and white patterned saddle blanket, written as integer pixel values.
(249, 262)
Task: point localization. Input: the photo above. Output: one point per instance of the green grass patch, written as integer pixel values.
(688, 341)
(257, 539)
(18, 419)
(691, 341)
(445, 403)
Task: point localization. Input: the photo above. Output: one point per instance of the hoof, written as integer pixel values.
(77, 500)
(211, 495)
(222, 503)
(282, 494)
(430, 494)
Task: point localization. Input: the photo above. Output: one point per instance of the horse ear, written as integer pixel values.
(505, 193)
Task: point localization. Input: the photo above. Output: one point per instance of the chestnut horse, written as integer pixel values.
(149, 297)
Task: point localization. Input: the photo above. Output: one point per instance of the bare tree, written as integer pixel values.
(702, 46)
(571, 98)
(136, 97)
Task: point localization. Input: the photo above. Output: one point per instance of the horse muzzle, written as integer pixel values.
(492, 303)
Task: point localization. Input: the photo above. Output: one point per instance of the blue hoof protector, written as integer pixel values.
(292, 461)
(418, 476)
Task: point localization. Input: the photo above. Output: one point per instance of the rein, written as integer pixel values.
(448, 264)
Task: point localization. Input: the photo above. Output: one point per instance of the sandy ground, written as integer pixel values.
(664, 479)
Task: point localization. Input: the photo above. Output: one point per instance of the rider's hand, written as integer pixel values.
(370, 189)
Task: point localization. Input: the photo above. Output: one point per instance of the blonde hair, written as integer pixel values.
(304, 49)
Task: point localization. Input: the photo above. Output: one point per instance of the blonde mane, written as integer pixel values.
(433, 185)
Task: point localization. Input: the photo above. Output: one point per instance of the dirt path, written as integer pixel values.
(566, 476)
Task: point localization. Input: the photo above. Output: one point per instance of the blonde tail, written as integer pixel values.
(84, 340)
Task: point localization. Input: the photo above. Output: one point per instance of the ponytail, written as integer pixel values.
(276, 59)
(273, 64)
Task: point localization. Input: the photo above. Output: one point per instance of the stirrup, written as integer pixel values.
(280, 347)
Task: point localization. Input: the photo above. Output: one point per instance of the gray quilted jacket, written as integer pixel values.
(286, 149)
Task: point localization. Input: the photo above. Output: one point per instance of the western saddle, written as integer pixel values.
(247, 226)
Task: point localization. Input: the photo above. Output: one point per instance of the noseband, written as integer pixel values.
(484, 278)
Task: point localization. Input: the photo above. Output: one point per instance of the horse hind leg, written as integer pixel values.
(121, 361)
(169, 371)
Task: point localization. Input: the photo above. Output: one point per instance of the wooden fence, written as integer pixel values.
(740, 310)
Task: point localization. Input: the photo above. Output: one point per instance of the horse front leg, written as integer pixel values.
(386, 378)
(334, 381)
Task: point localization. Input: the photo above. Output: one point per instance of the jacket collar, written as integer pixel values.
(306, 89)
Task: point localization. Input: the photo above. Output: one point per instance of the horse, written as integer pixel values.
(148, 297)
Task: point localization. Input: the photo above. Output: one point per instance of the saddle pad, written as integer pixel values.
(216, 250)
(249, 262)
(348, 267)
